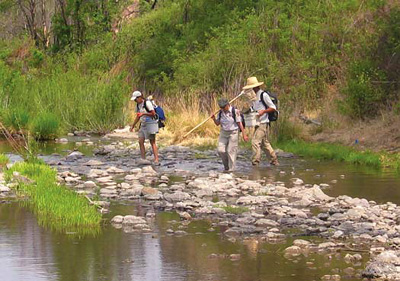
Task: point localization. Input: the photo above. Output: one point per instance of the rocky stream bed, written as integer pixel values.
(190, 182)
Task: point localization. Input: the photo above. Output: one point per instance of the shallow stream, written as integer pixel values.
(30, 252)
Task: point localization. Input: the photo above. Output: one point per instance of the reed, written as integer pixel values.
(56, 206)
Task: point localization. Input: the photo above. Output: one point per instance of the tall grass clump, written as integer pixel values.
(45, 126)
(15, 119)
(336, 152)
(55, 206)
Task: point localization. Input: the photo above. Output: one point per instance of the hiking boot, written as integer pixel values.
(274, 162)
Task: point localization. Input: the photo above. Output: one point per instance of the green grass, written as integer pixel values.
(327, 151)
(45, 126)
(3, 160)
(55, 206)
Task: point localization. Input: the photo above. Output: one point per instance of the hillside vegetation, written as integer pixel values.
(317, 55)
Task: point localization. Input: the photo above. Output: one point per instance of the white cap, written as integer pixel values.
(135, 95)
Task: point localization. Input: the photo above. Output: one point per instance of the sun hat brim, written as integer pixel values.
(252, 85)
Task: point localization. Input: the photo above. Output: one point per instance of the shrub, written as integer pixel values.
(45, 126)
(362, 96)
(284, 130)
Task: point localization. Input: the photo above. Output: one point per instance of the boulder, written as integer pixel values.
(293, 251)
(177, 196)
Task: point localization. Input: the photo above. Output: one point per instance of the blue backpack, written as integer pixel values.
(159, 111)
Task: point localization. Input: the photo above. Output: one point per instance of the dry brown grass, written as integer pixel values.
(182, 116)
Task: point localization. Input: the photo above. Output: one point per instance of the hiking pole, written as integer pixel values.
(188, 133)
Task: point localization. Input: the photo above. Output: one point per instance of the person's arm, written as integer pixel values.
(134, 123)
(216, 121)
(240, 125)
(271, 106)
(245, 138)
(151, 114)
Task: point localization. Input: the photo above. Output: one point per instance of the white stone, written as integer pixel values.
(104, 179)
(297, 181)
(135, 171)
(89, 184)
(125, 185)
(93, 162)
(131, 220)
(117, 219)
(114, 170)
(149, 170)
(293, 251)
(4, 188)
(301, 243)
(266, 222)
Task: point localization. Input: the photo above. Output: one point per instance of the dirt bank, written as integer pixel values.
(379, 134)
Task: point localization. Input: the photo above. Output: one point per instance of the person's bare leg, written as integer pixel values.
(142, 148)
(155, 150)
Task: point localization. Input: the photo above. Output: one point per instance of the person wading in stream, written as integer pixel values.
(144, 110)
(261, 132)
(231, 122)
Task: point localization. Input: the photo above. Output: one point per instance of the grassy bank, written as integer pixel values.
(55, 206)
(327, 151)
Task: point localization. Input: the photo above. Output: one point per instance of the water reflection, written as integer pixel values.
(28, 252)
(343, 179)
(25, 248)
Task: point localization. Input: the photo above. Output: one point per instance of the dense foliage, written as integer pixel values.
(309, 52)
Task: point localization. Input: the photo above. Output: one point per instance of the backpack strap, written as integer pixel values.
(234, 113)
(262, 99)
(145, 106)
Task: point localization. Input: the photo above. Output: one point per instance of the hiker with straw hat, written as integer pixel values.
(263, 107)
(231, 123)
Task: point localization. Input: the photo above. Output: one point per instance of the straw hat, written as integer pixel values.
(252, 82)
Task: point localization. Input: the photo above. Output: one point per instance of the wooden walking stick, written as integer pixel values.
(188, 133)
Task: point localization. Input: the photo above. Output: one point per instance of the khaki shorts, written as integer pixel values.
(144, 134)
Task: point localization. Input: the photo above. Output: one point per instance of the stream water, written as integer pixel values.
(30, 252)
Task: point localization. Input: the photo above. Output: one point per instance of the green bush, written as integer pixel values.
(363, 98)
(45, 126)
(284, 130)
